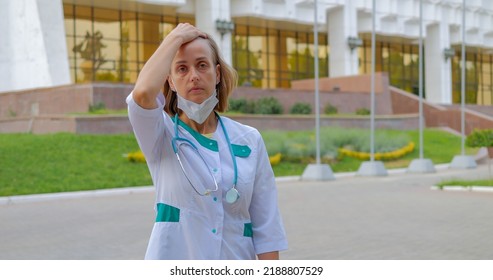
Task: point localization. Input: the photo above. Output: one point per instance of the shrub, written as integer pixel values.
(301, 108)
(363, 111)
(237, 105)
(100, 106)
(241, 106)
(301, 147)
(268, 105)
(330, 109)
(480, 138)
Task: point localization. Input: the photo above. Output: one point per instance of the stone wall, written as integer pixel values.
(49, 110)
(63, 99)
(120, 124)
(349, 93)
(346, 103)
(441, 116)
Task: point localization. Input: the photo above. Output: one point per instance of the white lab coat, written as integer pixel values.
(191, 226)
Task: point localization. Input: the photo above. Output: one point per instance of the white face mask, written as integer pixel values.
(198, 112)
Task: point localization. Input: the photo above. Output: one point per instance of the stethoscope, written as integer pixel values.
(232, 194)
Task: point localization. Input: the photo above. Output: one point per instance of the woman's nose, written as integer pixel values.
(194, 75)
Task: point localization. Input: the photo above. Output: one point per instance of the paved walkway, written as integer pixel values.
(393, 217)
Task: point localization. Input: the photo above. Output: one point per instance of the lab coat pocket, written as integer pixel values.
(247, 230)
(245, 160)
(167, 213)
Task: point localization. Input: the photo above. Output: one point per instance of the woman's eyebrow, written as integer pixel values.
(201, 58)
(185, 61)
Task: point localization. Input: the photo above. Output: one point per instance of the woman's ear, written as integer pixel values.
(218, 74)
(171, 84)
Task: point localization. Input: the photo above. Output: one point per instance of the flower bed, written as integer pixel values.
(396, 154)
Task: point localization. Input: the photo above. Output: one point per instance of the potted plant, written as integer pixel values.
(481, 138)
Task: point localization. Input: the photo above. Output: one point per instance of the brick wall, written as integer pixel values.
(46, 110)
(440, 116)
(63, 99)
(346, 103)
(350, 93)
(56, 100)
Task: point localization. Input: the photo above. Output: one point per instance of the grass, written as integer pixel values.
(439, 146)
(67, 162)
(465, 183)
(31, 164)
(123, 112)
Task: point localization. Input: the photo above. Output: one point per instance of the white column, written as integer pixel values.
(342, 23)
(33, 52)
(5, 46)
(206, 14)
(438, 70)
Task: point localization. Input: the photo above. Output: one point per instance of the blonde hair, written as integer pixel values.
(228, 82)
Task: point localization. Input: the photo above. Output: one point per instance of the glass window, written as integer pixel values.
(107, 24)
(240, 58)
(471, 78)
(275, 57)
(68, 13)
(112, 44)
(164, 29)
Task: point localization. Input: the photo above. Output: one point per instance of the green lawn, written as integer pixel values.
(464, 183)
(66, 162)
(440, 147)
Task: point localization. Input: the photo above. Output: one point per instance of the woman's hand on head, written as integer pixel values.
(157, 68)
(186, 32)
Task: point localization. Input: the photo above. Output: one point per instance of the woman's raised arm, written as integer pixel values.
(156, 70)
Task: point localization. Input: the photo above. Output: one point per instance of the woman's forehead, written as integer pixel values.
(196, 49)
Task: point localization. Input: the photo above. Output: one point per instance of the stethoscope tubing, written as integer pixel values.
(232, 194)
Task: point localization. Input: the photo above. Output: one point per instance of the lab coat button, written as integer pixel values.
(214, 230)
(215, 198)
(214, 170)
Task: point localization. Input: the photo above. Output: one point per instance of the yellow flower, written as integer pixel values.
(275, 159)
(136, 157)
(379, 156)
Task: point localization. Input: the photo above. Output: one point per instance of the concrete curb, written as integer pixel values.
(464, 188)
(145, 189)
(93, 193)
(70, 195)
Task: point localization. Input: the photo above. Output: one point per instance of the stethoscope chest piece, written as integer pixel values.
(232, 195)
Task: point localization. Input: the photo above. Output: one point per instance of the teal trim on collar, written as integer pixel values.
(208, 143)
(203, 141)
(167, 213)
(241, 150)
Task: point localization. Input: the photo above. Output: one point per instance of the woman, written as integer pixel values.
(215, 190)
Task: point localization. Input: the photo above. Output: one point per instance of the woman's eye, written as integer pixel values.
(181, 69)
(202, 65)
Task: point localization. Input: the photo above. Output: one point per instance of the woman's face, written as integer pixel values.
(194, 74)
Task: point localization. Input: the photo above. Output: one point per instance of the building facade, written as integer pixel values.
(54, 42)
